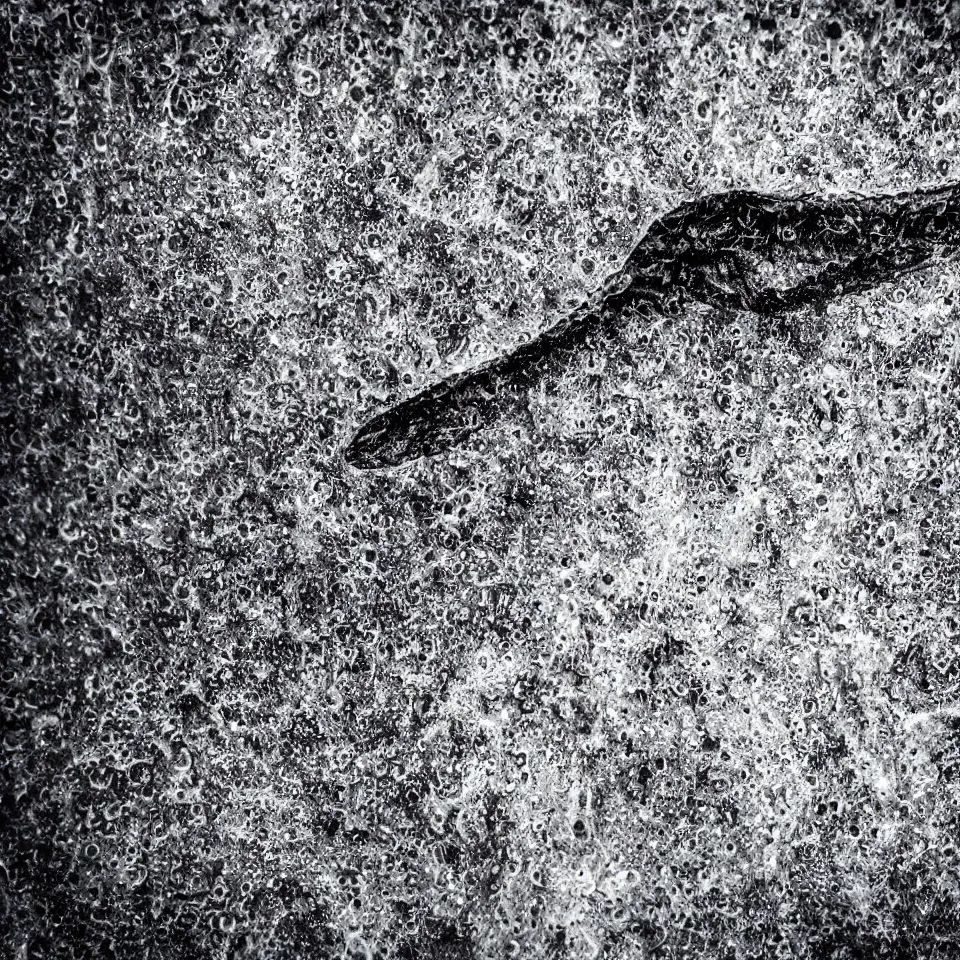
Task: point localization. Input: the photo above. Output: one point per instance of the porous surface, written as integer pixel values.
(664, 666)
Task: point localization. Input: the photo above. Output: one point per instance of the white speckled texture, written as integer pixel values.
(664, 667)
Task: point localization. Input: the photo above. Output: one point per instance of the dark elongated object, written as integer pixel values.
(720, 250)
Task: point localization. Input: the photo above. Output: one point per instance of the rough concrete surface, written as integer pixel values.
(661, 664)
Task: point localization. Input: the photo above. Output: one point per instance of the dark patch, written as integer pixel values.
(708, 250)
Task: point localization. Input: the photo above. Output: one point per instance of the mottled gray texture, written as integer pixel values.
(662, 665)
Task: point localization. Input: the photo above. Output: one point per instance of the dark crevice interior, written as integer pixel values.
(739, 250)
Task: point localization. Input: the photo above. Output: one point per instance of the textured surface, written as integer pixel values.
(662, 665)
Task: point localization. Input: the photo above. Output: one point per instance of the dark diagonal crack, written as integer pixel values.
(722, 250)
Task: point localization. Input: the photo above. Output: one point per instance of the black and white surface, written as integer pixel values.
(639, 644)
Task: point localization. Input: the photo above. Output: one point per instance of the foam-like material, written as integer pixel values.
(659, 663)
